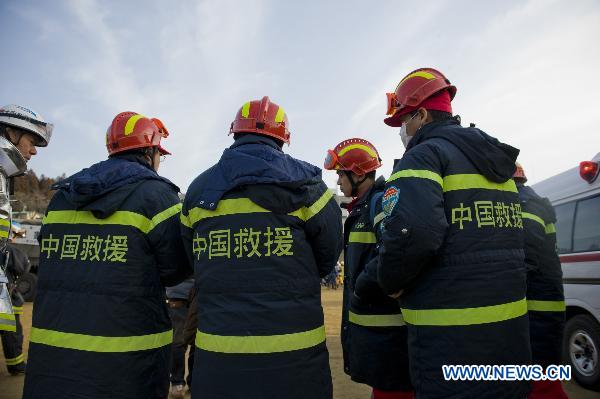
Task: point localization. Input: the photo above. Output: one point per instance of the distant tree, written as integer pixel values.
(32, 193)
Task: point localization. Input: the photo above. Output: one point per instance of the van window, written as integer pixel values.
(586, 236)
(564, 226)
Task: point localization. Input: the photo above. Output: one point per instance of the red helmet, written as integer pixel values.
(262, 117)
(130, 130)
(413, 90)
(519, 174)
(355, 155)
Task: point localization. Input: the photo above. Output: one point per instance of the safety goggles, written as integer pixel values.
(162, 129)
(392, 103)
(331, 160)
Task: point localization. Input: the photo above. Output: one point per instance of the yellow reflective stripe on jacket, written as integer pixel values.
(4, 228)
(232, 206)
(421, 174)
(8, 322)
(362, 237)
(95, 343)
(549, 228)
(376, 320)
(123, 218)
(466, 316)
(476, 181)
(535, 218)
(260, 343)
(305, 213)
(15, 360)
(546, 306)
(18, 309)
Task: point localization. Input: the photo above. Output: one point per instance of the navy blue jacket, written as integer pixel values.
(109, 244)
(373, 331)
(453, 241)
(545, 295)
(261, 229)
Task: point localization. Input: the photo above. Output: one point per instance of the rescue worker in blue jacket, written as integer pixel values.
(452, 244)
(545, 294)
(373, 333)
(109, 244)
(261, 228)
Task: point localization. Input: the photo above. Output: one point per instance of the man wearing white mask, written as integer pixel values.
(452, 244)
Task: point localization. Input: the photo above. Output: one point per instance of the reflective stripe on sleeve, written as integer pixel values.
(550, 228)
(534, 217)
(476, 181)
(18, 309)
(379, 217)
(260, 343)
(466, 316)
(305, 213)
(362, 237)
(95, 343)
(15, 360)
(123, 218)
(8, 322)
(546, 306)
(376, 320)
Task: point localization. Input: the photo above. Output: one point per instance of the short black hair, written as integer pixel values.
(149, 151)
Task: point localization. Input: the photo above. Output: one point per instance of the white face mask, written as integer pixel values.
(404, 134)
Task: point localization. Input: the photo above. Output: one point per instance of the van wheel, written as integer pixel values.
(580, 350)
(27, 286)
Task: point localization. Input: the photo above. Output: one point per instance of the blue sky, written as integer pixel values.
(527, 72)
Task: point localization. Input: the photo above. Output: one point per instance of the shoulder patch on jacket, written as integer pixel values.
(390, 199)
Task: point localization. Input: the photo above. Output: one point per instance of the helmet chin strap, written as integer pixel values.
(355, 185)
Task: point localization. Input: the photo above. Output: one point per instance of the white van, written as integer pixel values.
(575, 195)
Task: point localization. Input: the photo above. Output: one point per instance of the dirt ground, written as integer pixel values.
(344, 388)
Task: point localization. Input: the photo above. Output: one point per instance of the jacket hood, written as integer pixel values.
(253, 160)
(89, 189)
(492, 158)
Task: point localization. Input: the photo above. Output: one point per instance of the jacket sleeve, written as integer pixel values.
(165, 239)
(187, 233)
(415, 225)
(18, 263)
(534, 229)
(324, 229)
(366, 286)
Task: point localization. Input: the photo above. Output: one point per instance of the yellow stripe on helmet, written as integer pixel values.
(130, 125)
(363, 147)
(279, 116)
(246, 110)
(420, 74)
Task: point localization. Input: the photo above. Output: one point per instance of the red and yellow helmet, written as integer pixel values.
(354, 155)
(262, 117)
(519, 174)
(130, 130)
(414, 89)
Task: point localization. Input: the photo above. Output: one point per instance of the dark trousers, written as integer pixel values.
(12, 343)
(178, 316)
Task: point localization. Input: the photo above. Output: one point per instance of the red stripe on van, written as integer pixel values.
(580, 258)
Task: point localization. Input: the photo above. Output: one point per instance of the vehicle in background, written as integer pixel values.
(575, 195)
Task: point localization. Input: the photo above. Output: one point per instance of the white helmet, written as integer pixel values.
(28, 120)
